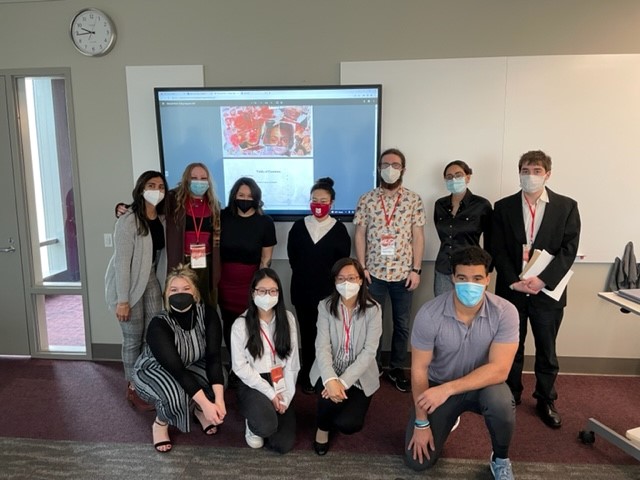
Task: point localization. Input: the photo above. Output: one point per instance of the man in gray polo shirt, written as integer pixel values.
(463, 345)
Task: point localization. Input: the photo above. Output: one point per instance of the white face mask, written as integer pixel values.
(154, 197)
(265, 302)
(532, 183)
(347, 289)
(390, 175)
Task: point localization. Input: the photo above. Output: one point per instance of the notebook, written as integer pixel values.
(632, 294)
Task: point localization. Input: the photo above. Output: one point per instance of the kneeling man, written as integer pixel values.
(463, 345)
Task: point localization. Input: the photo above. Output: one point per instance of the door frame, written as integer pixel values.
(31, 290)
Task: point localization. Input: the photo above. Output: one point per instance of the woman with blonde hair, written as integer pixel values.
(181, 363)
(193, 228)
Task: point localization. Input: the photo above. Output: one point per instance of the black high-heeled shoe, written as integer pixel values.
(209, 428)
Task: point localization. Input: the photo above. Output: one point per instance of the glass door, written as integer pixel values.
(54, 268)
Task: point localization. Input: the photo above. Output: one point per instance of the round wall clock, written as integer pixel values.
(93, 33)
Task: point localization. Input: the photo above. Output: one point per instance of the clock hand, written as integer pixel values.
(88, 31)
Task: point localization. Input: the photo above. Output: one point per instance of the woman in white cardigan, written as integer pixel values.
(137, 270)
(345, 372)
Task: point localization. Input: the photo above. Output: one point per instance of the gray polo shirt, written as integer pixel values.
(458, 349)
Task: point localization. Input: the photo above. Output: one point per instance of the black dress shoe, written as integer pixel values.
(321, 448)
(548, 413)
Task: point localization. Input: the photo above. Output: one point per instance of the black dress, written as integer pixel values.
(311, 279)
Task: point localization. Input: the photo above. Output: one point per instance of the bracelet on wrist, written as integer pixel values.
(421, 424)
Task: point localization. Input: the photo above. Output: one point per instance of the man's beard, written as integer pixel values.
(391, 186)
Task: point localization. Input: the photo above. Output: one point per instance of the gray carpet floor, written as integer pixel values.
(39, 459)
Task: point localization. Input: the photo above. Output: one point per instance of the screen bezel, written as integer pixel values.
(292, 88)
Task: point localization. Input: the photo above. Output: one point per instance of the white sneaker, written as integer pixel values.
(501, 468)
(253, 440)
(455, 425)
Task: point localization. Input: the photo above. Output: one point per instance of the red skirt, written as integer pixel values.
(233, 288)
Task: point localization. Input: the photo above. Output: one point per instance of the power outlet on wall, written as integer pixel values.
(108, 240)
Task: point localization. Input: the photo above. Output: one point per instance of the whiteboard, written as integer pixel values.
(142, 117)
(582, 110)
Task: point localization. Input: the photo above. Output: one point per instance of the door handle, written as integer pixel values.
(9, 249)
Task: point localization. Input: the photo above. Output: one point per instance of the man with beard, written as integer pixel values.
(389, 241)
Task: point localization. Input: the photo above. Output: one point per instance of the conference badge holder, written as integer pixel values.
(198, 255)
(277, 379)
(387, 244)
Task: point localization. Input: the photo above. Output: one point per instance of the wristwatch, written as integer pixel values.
(417, 270)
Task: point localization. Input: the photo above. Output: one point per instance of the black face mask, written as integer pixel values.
(181, 302)
(244, 205)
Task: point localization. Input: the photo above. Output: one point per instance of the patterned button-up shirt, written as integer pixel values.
(404, 210)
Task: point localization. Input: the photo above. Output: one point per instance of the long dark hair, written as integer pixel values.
(282, 336)
(256, 194)
(138, 206)
(364, 299)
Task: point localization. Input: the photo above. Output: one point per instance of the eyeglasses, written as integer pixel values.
(350, 278)
(455, 175)
(395, 166)
(263, 291)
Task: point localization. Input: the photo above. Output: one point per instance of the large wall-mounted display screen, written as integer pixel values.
(284, 138)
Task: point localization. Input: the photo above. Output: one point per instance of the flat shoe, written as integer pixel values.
(321, 448)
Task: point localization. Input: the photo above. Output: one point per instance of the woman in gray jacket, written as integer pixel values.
(345, 372)
(137, 270)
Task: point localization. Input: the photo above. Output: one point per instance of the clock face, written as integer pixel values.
(93, 32)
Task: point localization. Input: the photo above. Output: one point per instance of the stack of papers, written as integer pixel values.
(534, 267)
(632, 294)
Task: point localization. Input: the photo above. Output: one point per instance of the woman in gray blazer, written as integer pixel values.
(137, 270)
(345, 372)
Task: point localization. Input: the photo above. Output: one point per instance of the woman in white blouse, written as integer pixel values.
(264, 351)
(345, 372)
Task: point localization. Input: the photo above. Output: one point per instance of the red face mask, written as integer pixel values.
(320, 210)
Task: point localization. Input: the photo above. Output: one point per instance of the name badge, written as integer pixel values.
(198, 255)
(387, 244)
(277, 379)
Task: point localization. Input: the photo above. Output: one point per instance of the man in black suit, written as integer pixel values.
(535, 218)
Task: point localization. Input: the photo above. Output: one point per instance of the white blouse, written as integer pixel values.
(249, 369)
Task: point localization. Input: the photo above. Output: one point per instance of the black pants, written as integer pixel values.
(545, 324)
(347, 416)
(495, 403)
(228, 317)
(279, 431)
(307, 319)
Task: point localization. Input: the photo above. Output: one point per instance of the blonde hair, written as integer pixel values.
(183, 193)
(186, 273)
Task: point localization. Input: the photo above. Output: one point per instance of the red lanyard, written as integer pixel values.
(347, 328)
(273, 350)
(389, 218)
(197, 228)
(532, 211)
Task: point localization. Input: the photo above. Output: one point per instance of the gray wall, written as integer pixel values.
(258, 42)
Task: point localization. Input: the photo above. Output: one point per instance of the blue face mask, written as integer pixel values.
(198, 187)
(456, 185)
(469, 293)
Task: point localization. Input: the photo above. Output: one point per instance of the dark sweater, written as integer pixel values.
(311, 263)
(161, 341)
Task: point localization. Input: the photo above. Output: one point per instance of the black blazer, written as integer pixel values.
(559, 234)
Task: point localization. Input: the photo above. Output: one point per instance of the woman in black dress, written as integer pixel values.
(315, 243)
